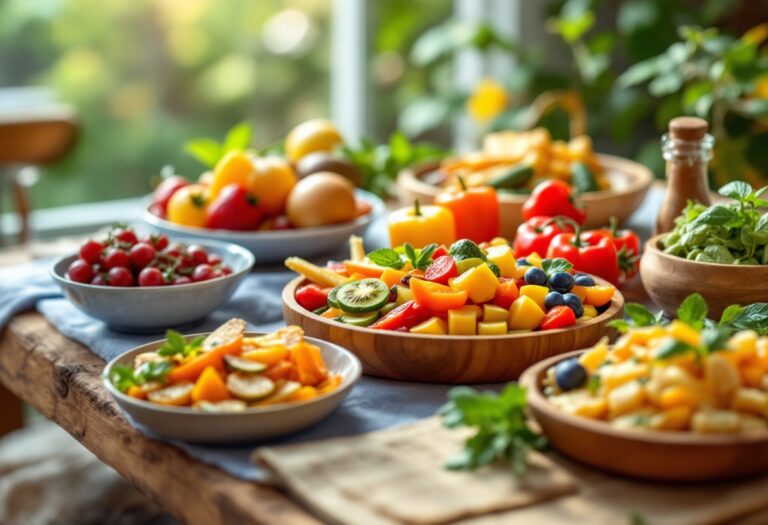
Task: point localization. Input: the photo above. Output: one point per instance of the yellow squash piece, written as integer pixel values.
(497, 328)
(494, 314)
(480, 283)
(433, 326)
(535, 292)
(462, 322)
(525, 314)
(504, 257)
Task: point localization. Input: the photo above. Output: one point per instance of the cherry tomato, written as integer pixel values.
(165, 191)
(120, 276)
(225, 270)
(91, 251)
(182, 279)
(441, 270)
(235, 209)
(159, 241)
(126, 237)
(558, 317)
(312, 297)
(203, 272)
(141, 254)
(99, 280)
(198, 254)
(405, 316)
(115, 257)
(80, 271)
(151, 277)
(441, 251)
(214, 260)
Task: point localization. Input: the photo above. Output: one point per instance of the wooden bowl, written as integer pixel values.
(669, 279)
(629, 182)
(448, 359)
(647, 454)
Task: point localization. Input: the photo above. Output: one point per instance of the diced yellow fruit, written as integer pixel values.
(525, 314)
(357, 277)
(721, 376)
(580, 292)
(499, 241)
(626, 398)
(675, 396)
(714, 421)
(391, 276)
(752, 372)
(535, 292)
(590, 311)
(751, 400)
(676, 418)
(643, 335)
(612, 376)
(519, 271)
(480, 283)
(494, 314)
(504, 257)
(581, 403)
(684, 333)
(404, 294)
(462, 322)
(752, 424)
(743, 344)
(635, 419)
(599, 295)
(762, 350)
(497, 328)
(621, 353)
(534, 259)
(591, 359)
(434, 326)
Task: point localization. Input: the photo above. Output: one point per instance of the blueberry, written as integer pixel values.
(573, 302)
(553, 299)
(561, 282)
(582, 279)
(569, 374)
(535, 275)
(522, 261)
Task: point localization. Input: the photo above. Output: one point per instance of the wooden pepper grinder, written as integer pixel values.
(687, 148)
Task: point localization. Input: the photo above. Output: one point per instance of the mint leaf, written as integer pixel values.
(176, 345)
(752, 317)
(558, 264)
(206, 151)
(718, 215)
(673, 348)
(122, 377)
(238, 138)
(693, 311)
(639, 315)
(386, 257)
(425, 256)
(729, 314)
(737, 189)
(619, 324)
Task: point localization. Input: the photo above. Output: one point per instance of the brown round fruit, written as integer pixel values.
(321, 198)
(324, 161)
(310, 136)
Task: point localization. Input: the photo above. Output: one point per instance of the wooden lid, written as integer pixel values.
(688, 128)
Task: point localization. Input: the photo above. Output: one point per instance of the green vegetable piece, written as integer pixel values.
(494, 268)
(468, 264)
(582, 178)
(512, 178)
(466, 249)
(360, 320)
(365, 295)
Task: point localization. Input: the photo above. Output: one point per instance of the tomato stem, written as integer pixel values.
(417, 208)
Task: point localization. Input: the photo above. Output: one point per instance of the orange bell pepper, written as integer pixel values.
(421, 225)
(309, 363)
(475, 211)
(210, 387)
(437, 297)
(215, 357)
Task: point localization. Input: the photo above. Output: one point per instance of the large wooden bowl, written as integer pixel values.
(647, 454)
(448, 359)
(669, 279)
(629, 184)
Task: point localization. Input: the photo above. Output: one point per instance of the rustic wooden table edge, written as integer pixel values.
(61, 379)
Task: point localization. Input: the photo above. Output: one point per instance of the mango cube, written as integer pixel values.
(462, 322)
(535, 292)
(590, 311)
(479, 282)
(504, 257)
(498, 328)
(433, 326)
(494, 314)
(684, 333)
(525, 314)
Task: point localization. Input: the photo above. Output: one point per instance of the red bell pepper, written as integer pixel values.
(536, 233)
(558, 317)
(441, 270)
(627, 248)
(475, 210)
(589, 251)
(405, 316)
(312, 296)
(552, 198)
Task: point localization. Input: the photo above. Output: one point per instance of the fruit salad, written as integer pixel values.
(227, 371)
(122, 258)
(462, 289)
(688, 375)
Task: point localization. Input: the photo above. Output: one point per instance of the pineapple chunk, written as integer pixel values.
(497, 328)
(581, 403)
(751, 400)
(752, 424)
(503, 257)
(721, 377)
(593, 358)
(744, 345)
(494, 314)
(677, 418)
(462, 322)
(684, 333)
(711, 421)
(612, 376)
(627, 398)
(434, 326)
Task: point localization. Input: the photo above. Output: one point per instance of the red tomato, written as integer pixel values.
(91, 251)
(165, 191)
(441, 270)
(404, 317)
(440, 252)
(558, 317)
(235, 208)
(312, 297)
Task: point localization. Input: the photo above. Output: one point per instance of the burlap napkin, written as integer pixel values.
(396, 477)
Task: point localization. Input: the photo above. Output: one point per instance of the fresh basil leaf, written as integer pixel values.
(152, 371)
(693, 311)
(410, 253)
(729, 314)
(720, 254)
(619, 324)
(555, 265)
(639, 314)
(737, 189)
(718, 215)
(206, 151)
(238, 138)
(673, 348)
(386, 257)
(713, 339)
(122, 377)
(425, 256)
(752, 317)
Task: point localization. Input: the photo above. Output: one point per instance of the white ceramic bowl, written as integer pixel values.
(258, 423)
(275, 246)
(156, 308)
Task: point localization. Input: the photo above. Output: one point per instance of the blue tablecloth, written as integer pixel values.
(372, 405)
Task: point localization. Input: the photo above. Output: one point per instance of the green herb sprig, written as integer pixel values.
(390, 258)
(176, 345)
(125, 376)
(502, 430)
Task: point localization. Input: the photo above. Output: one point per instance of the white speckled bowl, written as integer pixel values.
(257, 423)
(276, 246)
(156, 308)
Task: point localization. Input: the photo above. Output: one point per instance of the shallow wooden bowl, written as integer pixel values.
(669, 279)
(647, 454)
(448, 359)
(629, 184)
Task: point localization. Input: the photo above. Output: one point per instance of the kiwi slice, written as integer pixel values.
(365, 295)
(360, 320)
(332, 301)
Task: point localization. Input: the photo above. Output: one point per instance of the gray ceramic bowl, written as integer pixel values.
(275, 246)
(152, 309)
(256, 423)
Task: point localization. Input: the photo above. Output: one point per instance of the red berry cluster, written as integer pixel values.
(123, 259)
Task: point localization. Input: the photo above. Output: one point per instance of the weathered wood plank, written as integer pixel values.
(11, 413)
(61, 379)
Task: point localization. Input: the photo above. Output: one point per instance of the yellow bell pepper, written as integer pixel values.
(421, 225)
(499, 328)
(462, 321)
(494, 314)
(434, 326)
(525, 314)
(480, 282)
(504, 257)
(535, 292)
